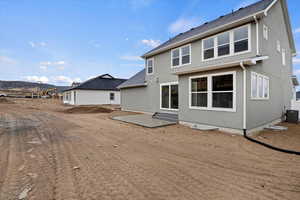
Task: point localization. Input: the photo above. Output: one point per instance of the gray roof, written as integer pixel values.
(138, 80)
(103, 82)
(222, 20)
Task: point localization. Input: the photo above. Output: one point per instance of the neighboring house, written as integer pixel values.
(234, 72)
(100, 90)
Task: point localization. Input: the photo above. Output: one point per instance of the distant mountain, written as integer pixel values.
(5, 85)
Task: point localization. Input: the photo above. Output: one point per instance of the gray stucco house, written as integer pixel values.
(234, 72)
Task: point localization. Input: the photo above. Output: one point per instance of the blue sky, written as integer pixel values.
(61, 41)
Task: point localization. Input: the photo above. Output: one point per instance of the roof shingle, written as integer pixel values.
(226, 19)
(103, 82)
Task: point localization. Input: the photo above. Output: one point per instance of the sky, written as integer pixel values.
(61, 41)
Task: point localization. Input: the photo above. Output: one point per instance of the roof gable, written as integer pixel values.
(197, 32)
(102, 82)
(136, 80)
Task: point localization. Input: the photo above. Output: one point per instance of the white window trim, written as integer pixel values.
(231, 38)
(265, 32)
(210, 92)
(257, 86)
(180, 56)
(278, 46)
(152, 66)
(283, 55)
(160, 97)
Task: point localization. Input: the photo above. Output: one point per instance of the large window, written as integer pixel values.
(227, 44)
(213, 92)
(150, 63)
(259, 86)
(169, 96)
(181, 56)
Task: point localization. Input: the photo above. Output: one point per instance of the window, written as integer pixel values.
(241, 39)
(278, 47)
(199, 92)
(112, 96)
(169, 96)
(265, 32)
(213, 92)
(283, 57)
(259, 86)
(181, 56)
(227, 44)
(209, 51)
(150, 66)
(222, 91)
(223, 44)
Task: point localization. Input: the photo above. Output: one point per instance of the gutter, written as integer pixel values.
(257, 36)
(269, 7)
(244, 96)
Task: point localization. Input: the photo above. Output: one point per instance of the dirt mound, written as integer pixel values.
(88, 109)
(5, 100)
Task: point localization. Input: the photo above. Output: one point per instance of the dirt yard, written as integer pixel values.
(46, 153)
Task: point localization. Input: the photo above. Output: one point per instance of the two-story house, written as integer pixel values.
(234, 72)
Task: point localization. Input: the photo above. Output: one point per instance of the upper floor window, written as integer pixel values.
(241, 39)
(259, 86)
(278, 46)
(227, 44)
(181, 56)
(265, 32)
(283, 57)
(150, 65)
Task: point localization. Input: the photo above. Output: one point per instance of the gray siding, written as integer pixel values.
(147, 99)
(260, 112)
(197, 61)
(233, 120)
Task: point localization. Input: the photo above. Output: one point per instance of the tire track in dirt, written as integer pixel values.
(231, 173)
(14, 181)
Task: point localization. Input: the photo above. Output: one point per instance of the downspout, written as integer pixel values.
(244, 98)
(257, 36)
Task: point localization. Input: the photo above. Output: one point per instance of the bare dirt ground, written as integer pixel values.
(49, 154)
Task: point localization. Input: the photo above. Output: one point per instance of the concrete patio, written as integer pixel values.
(144, 120)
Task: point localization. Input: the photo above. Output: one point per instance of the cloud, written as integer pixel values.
(37, 44)
(59, 64)
(245, 3)
(7, 60)
(183, 24)
(151, 43)
(131, 58)
(297, 72)
(65, 79)
(41, 79)
(296, 60)
(43, 67)
(297, 30)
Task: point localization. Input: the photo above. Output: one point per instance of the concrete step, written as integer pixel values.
(166, 116)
